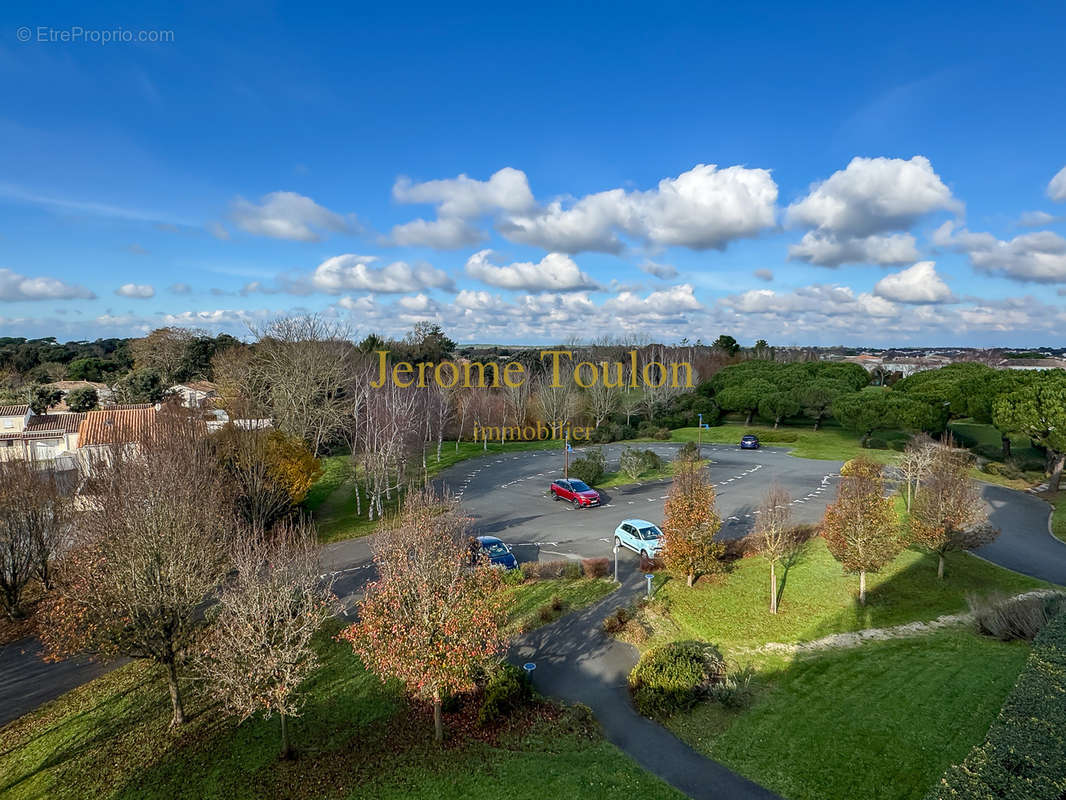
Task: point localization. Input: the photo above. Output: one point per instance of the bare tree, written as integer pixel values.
(259, 649)
(773, 529)
(915, 463)
(602, 400)
(147, 551)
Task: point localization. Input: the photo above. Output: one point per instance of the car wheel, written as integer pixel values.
(555, 497)
(577, 503)
(617, 542)
(644, 555)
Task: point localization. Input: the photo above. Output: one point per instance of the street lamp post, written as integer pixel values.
(616, 548)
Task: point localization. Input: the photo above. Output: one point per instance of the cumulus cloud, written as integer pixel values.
(829, 250)
(138, 291)
(351, 272)
(704, 208)
(1038, 257)
(764, 274)
(1034, 219)
(663, 272)
(918, 284)
(1056, 188)
(15, 287)
(817, 300)
(555, 271)
(459, 201)
(288, 215)
(179, 288)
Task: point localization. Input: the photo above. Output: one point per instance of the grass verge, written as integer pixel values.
(529, 599)
(831, 443)
(880, 721)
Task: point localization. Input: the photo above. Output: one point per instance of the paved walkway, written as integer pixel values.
(578, 663)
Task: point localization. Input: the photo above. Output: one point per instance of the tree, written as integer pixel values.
(690, 523)
(140, 386)
(915, 463)
(33, 517)
(147, 551)
(773, 530)
(84, 399)
(258, 651)
(270, 471)
(1038, 410)
(777, 406)
(428, 620)
(860, 528)
(634, 462)
(815, 399)
(948, 513)
(865, 412)
(745, 397)
(43, 398)
(727, 344)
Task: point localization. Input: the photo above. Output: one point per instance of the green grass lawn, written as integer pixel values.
(880, 721)
(356, 739)
(332, 498)
(528, 598)
(731, 611)
(615, 479)
(831, 442)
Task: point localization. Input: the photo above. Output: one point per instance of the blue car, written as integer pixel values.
(497, 553)
(749, 442)
(640, 536)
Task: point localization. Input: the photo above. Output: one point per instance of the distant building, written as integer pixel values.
(37, 437)
(195, 394)
(66, 387)
(1038, 364)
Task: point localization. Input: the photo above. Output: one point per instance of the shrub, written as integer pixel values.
(650, 564)
(688, 452)
(899, 445)
(508, 690)
(590, 467)
(1024, 755)
(614, 622)
(1009, 618)
(673, 677)
(876, 444)
(543, 570)
(662, 434)
(595, 567)
(635, 463)
(513, 577)
(572, 570)
(735, 689)
(612, 432)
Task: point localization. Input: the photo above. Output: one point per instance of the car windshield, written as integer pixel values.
(496, 549)
(749, 438)
(651, 532)
(579, 486)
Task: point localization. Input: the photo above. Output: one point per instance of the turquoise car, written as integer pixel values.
(640, 536)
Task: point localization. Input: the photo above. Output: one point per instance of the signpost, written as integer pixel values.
(566, 457)
(649, 576)
(699, 438)
(616, 549)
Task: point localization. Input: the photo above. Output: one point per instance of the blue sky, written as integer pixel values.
(807, 175)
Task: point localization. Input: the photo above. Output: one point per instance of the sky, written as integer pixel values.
(810, 174)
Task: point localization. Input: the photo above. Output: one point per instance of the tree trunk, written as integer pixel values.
(777, 421)
(175, 695)
(286, 751)
(817, 422)
(1056, 471)
(438, 723)
(910, 494)
(773, 589)
(1005, 443)
(748, 420)
(940, 566)
(862, 587)
(691, 579)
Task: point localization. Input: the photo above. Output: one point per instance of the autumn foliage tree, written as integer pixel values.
(258, 650)
(948, 513)
(860, 527)
(429, 620)
(773, 531)
(690, 523)
(146, 552)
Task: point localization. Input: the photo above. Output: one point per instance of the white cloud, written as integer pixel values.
(449, 233)
(764, 274)
(179, 288)
(218, 230)
(1039, 257)
(138, 291)
(555, 271)
(829, 250)
(701, 209)
(662, 271)
(15, 287)
(288, 215)
(817, 300)
(871, 196)
(1056, 188)
(351, 272)
(1034, 219)
(918, 284)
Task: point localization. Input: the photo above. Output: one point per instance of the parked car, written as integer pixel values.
(749, 441)
(577, 492)
(640, 536)
(497, 553)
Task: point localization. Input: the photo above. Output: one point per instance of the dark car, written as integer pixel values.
(496, 552)
(577, 492)
(749, 442)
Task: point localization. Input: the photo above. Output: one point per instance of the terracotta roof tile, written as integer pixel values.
(13, 411)
(115, 425)
(66, 423)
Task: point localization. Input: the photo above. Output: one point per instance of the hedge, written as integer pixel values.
(1024, 755)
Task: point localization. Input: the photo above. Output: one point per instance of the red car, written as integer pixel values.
(577, 492)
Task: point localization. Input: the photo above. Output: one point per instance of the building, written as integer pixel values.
(1035, 364)
(37, 437)
(195, 394)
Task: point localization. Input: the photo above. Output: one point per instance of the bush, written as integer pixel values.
(688, 452)
(614, 622)
(543, 570)
(662, 434)
(590, 467)
(595, 567)
(572, 570)
(899, 445)
(673, 677)
(634, 462)
(650, 564)
(508, 690)
(513, 577)
(612, 432)
(735, 689)
(1024, 755)
(1010, 618)
(876, 444)
(551, 610)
